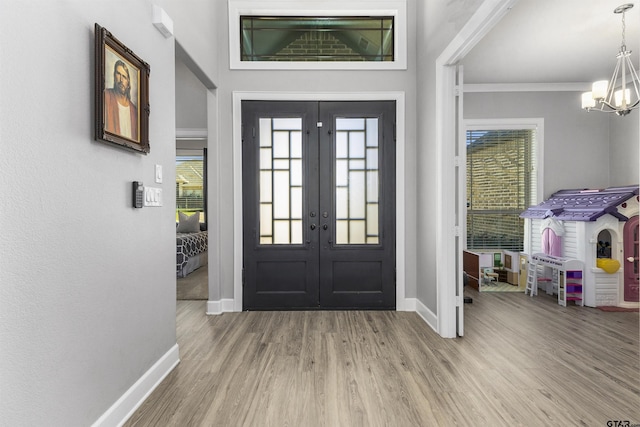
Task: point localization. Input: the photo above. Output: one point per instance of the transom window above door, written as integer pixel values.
(316, 38)
(343, 35)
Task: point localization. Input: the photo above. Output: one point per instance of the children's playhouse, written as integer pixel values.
(598, 228)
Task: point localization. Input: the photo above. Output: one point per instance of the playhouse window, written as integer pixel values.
(604, 244)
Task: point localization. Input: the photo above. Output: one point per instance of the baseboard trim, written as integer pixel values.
(427, 315)
(407, 304)
(131, 400)
(627, 304)
(224, 305)
(227, 305)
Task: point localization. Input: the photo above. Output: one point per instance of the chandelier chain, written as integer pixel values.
(624, 26)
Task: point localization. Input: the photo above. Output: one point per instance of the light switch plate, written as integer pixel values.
(152, 196)
(159, 174)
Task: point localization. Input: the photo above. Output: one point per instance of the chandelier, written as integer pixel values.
(614, 96)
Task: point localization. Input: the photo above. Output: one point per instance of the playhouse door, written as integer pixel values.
(631, 277)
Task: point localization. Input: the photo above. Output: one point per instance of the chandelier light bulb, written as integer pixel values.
(622, 98)
(587, 100)
(599, 89)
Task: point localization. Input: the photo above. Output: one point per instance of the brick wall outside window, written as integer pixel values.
(498, 187)
(317, 46)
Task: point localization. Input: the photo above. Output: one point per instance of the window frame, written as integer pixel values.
(536, 124)
(395, 8)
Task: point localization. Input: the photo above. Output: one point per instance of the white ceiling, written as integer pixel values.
(554, 41)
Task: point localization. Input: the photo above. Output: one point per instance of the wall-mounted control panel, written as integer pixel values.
(147, 196)
(137, 191)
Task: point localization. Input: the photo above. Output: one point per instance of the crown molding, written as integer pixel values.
(527, 87)
(191, 133)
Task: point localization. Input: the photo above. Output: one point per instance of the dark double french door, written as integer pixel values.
(318, 205)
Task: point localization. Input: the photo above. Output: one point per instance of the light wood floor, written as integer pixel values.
(194, 286)
(523, 361)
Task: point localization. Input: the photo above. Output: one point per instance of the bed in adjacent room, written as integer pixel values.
(191, 244)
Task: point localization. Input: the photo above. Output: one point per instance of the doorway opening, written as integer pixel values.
(191, 223)
(192, 188)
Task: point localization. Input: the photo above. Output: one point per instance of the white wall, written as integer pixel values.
(87, 283)
(576, 143)
(196, 34)
(311, 81)
(191, 99)
(439, 24)
(624, 149)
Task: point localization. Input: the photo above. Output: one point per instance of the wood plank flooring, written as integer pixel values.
(195, 286)
(523, 361)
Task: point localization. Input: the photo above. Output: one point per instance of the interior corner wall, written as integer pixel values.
(196, 32)
(624, 156)
(426, 286)
(87, 289)
(191, 99)
(437, 25)
(576, 143)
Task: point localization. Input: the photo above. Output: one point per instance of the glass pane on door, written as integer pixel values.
(357, 176)
(280, 181)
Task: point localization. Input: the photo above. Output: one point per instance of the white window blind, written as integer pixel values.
(191, 184)
(501, 183)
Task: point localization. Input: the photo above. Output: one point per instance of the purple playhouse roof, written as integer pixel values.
(583, 205)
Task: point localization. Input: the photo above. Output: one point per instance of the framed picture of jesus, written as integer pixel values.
(122, 94)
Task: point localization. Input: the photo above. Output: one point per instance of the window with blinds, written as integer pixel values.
(501, 183)
(191, 184)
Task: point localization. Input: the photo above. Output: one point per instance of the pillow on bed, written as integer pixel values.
(188, 223)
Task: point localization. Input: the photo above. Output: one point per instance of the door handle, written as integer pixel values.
(325, 226)
(313, 226)
(631, 259)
